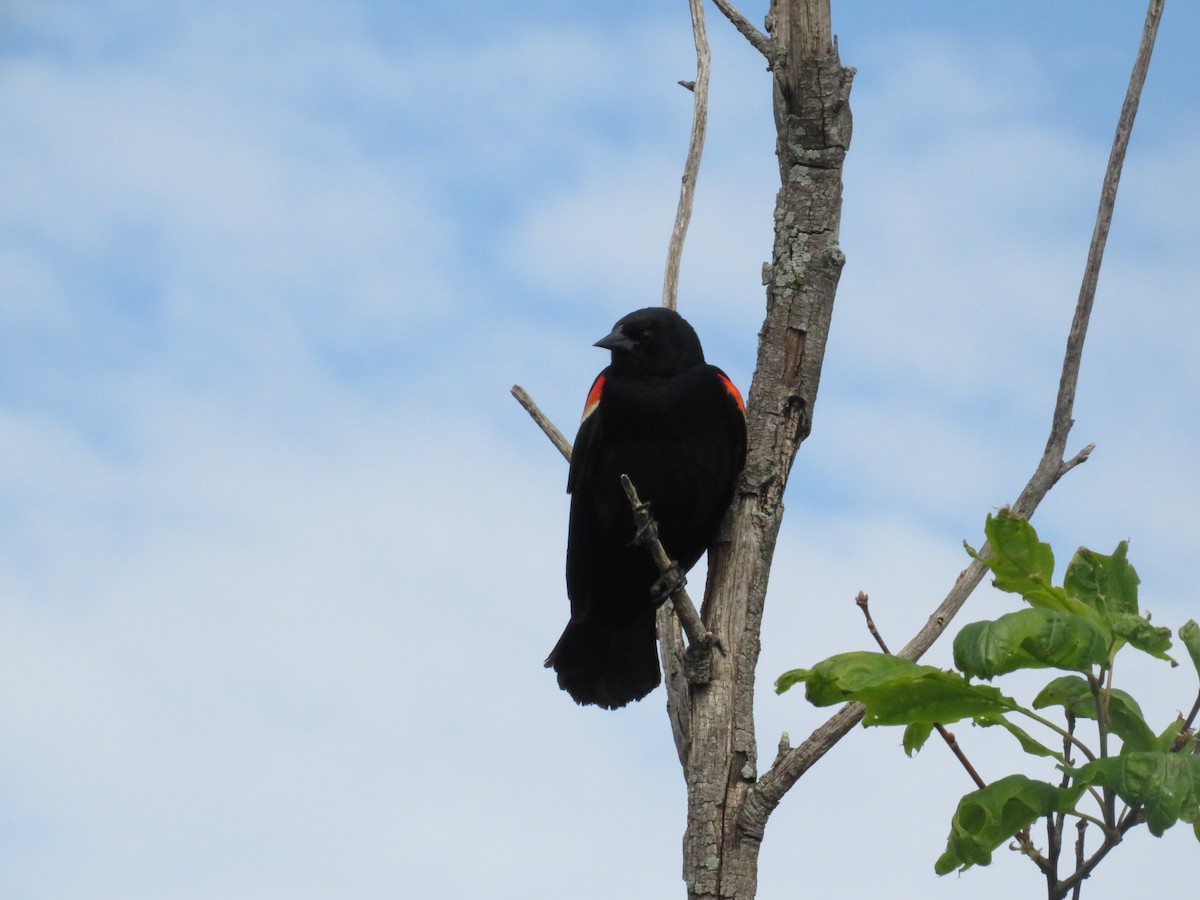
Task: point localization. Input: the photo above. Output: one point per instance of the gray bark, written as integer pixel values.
(811, 90)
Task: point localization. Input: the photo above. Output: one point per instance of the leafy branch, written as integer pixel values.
(1079, 627)
(792, 762)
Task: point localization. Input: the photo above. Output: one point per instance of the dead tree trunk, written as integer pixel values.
(811, 90)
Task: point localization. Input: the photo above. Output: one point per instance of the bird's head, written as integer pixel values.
(653, 341)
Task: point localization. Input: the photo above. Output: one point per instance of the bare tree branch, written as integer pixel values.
(757, 39)
(671, 649)
(770, 789)
(670, 641)
(684, 608)
(864, 603)
(1083, 868)
(543, 422)
(691, 168)
(1050, 470)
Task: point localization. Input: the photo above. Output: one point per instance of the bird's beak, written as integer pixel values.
(615, 341)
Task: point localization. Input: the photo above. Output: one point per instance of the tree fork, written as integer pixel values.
(811, 90)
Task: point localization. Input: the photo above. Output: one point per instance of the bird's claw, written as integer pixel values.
(647, 533)
(668, 583)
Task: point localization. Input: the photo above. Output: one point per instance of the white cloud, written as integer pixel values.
(233, 207)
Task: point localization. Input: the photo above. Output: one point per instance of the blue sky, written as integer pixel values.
(281, 558)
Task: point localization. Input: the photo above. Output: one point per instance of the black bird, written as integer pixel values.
(676, 426)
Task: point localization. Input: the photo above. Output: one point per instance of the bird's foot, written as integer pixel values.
(670, 581)
(647, 533)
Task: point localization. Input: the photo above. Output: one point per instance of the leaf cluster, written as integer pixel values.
(1077, 628)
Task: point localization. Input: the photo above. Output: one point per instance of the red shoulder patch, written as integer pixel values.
(593, 397)
(733, 392)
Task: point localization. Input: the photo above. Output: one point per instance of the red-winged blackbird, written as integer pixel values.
(676, 426)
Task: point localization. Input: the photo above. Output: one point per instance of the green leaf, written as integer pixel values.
(1138, 632)
(1108, 584)
(1170, 734)
(915, 736)
(1189, 633)
(1166, 785)
(989, 817)
(896, 691)
(1030, 639)
(1028, 744)
(790, 679)
(1125, 717)
(1069, 692)
(1018, 557)
(1024, 565)
(835, 679)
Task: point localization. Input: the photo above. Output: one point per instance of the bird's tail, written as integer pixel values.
(607, 664)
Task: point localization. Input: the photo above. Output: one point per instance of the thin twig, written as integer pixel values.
(776, 781)
(1100, 701)
(691, 168)
(1084, 869)
(952, 743)
(1056, 822)
(693, 626)
(670, 641)
(544, 423)
(757, 39)
(1187, 723)
(1079, 857)
(1023, 843)
(864, 603)
(1091, 270)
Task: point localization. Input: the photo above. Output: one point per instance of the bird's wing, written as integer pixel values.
(735, 417)
(590, 428)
